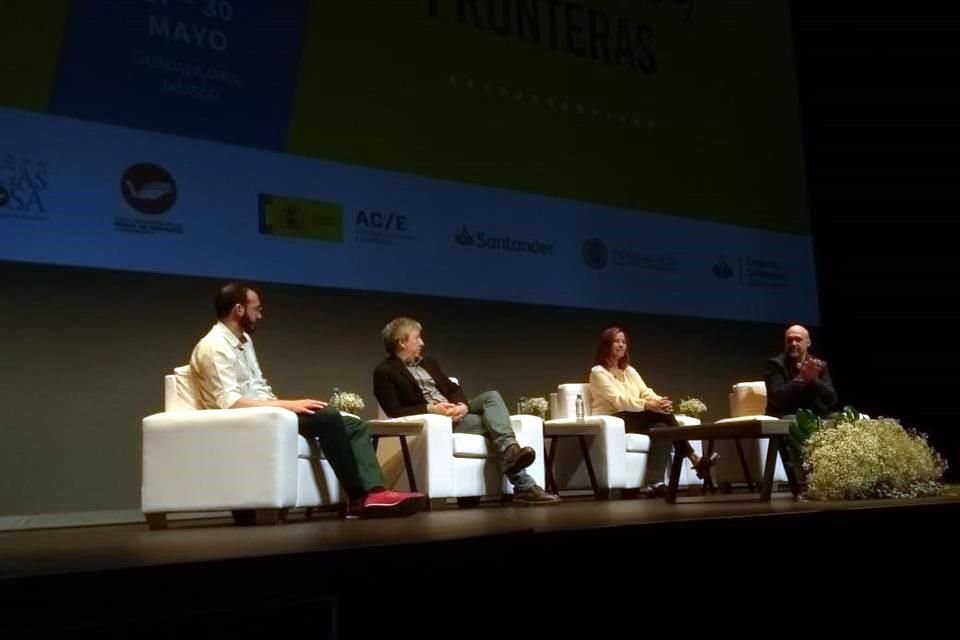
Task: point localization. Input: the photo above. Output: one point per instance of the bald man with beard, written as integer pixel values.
(797, 380)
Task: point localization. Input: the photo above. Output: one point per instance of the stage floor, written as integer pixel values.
(50, 552)
(576, 569)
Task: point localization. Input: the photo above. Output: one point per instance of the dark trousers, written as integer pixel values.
(658, 456)
(346, 444)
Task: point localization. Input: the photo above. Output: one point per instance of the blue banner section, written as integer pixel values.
(222, 70)
(93, 195)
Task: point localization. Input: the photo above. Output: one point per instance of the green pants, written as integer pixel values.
(345, 441)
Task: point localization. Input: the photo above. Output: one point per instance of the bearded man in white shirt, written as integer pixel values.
(228, 376)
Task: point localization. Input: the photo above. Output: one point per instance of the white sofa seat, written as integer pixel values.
(228, 459)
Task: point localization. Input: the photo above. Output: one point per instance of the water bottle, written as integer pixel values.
(522, 401)
(579, 407)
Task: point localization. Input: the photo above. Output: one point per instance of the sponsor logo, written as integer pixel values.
(762, 272)
(300, 218)
(148, 188)
(501, 243)
(752, 272)
(634, 259)
(464, 239)
(24, 184)
(597, 255)
(722, 269)
(380, 226)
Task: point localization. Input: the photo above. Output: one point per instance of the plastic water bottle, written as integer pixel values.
(522, 401)
(579, 407)
(335, 398)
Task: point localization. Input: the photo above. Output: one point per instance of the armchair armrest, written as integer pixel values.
(219, 459)
(609, 449)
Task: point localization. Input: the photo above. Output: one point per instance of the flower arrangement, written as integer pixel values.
(855, 458)
(346, 401)
(693, 407)
(533, 406)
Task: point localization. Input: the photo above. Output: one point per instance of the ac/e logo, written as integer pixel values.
(382, 221)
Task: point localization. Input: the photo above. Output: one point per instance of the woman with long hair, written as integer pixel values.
(617, 389)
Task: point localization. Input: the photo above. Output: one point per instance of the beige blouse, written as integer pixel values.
(618, 390)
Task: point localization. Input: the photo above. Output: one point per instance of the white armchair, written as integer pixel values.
(619, 459)
(427, 456)
(250, 461)
(748, 400)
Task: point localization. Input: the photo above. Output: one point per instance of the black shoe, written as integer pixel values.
(702, 468)
(517, 458)
(536, 496)
(658, 490)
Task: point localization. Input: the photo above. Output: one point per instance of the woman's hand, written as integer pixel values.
(662, 404)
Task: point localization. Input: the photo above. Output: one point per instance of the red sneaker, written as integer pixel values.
(385, 504)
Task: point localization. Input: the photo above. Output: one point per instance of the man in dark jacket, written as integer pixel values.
(407, 383)
(796, 380)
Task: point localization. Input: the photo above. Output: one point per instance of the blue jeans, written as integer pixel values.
(487, 416)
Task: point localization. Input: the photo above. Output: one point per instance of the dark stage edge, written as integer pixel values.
(492, 570)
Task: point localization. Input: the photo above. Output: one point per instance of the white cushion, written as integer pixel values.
(470, 445)
(638, 443)
(180, 390)
(748, 398)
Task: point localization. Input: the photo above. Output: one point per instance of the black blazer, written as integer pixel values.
(785, 396)
(399, 394)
